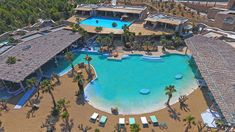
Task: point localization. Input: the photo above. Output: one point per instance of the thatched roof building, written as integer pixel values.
(216, 62)
(32, 53)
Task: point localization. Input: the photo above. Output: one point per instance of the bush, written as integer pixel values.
(98, 29)
(114, 24)
(97, 130)
(135, 128)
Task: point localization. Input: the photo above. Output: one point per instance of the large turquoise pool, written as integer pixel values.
(105, 22)
(119, 82)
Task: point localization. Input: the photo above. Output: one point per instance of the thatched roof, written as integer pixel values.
(32, 54)
(216, 62)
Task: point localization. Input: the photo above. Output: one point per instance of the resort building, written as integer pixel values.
(223, 18)
(33, 52)
(216, 64)
(166, 23)
(117, 11)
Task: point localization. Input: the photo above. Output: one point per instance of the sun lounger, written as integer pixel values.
(94, 116)
(131, 121)
(121, 121)
(154, 120)
(144, 121)
(103, 120)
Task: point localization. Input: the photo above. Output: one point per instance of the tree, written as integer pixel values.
(80, 81)
(47, 87)
(189, 121)
(69, 57)
(32, 82)
(88, 59)
(135, 128)
(11, 60)
(169, 90)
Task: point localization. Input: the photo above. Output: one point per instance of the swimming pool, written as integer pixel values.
(105, 22)
(119, 82)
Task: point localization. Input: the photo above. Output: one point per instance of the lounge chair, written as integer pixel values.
(94, 116)
(154, 120)
(144, 121)
(131, 120)
(103, 120)
(121, 122)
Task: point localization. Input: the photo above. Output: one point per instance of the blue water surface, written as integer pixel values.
(119, 82)
(104, 22)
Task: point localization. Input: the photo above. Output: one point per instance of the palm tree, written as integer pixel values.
(88, 59)
(69, 57)
(47, 87)
(189, 121)
(63, 105)
(32, 82)
(111, 35)
(80, 81)
(169, 91)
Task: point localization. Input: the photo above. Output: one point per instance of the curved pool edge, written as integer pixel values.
(160, 107)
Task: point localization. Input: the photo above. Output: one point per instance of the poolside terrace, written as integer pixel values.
(216, 62)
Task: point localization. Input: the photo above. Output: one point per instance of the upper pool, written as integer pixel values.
(119, 82)
(105, 22)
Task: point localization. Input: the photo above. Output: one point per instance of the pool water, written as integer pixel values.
(105, 22)
(119, 82)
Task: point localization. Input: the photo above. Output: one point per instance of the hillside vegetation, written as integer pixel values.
(18, 13)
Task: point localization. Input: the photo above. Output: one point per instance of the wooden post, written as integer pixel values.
(22, 86)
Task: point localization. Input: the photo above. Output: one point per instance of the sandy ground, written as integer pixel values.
(16, 121)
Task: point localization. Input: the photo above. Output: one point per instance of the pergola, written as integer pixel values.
(216, 61)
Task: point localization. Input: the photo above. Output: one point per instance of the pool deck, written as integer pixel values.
(135, 28)
(16, 120)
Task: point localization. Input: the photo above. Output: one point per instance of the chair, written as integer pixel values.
(131, 121)
(144, 121)
(154, 120)
(103, 120)
(94, 116)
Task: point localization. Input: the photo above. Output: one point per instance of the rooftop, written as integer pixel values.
(166, 19)
(217, 65)
(33, 53)
(114, 8)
